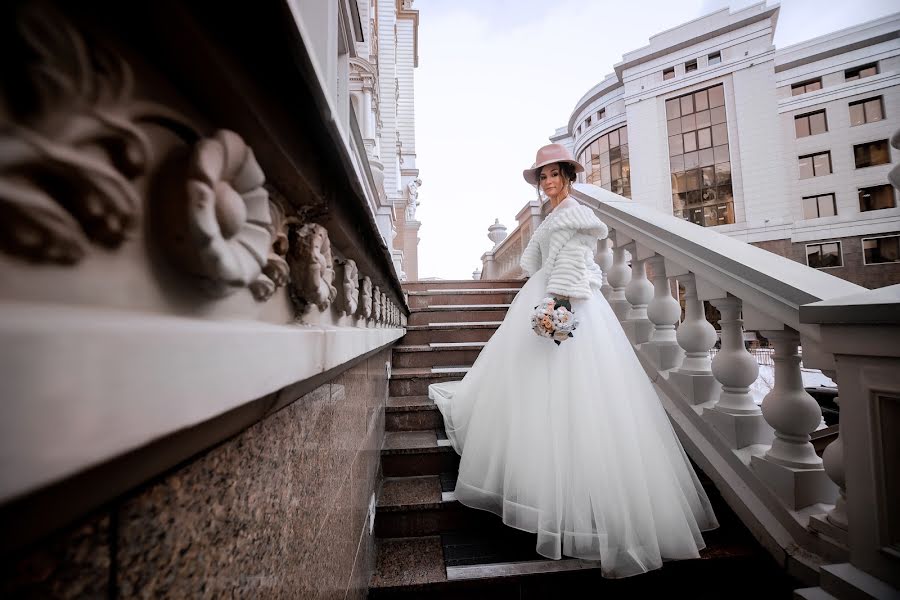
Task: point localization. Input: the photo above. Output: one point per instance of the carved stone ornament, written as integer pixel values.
(70, 143)
(376, 304)
(365, 304)
(218, 228)
(276, 272)
(384, 305)
(349, 287)
(312, 267)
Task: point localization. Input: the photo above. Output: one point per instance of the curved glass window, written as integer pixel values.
(699, 157)
(605, 161)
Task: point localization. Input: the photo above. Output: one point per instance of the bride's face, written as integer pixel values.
(552, 180)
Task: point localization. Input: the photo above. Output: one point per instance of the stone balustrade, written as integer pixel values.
(760, 456)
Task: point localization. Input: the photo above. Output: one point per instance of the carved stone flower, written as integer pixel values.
(312, 267)
(350, 287)
(222, 234)
(366, 300)
(376, 304)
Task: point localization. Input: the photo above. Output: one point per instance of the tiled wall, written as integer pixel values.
(278, 511)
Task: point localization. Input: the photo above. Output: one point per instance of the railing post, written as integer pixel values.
(696, 336)
(619, 275)
(604, 258)
(791, 466)
(834, 522)
(735, 415)
(638, 293)
(663, 311)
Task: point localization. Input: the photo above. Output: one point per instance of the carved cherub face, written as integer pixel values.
(351, 286)
(312, 266)
(367, 296)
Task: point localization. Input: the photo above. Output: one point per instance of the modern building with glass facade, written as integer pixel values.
(787, 148)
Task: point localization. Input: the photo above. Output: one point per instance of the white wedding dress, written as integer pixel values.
(570, 441)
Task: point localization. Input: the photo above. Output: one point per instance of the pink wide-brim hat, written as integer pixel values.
(549, 154)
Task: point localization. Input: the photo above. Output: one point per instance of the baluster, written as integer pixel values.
(696, 336)
(604, 258)
(735, 415)
(834, 522)
(638, 293)
(791, 467)
(663, 311)
(619, 275)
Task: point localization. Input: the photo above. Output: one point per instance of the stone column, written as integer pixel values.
(604, 258)
(834, 522)
(663, 312)
(735, 415)
(791, 467)
(619, 275)
(696, 336)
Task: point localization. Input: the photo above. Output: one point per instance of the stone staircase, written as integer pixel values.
(428, 545)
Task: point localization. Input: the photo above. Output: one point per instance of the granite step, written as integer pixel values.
(477, 296)
(449, 333)
(430, 355)
(411, 413)
(457, 313)
(416, 506)
(415, 453)
(414, 381)
(461, 284)
(492, 560)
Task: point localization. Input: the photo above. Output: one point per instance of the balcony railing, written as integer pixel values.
(760, 456)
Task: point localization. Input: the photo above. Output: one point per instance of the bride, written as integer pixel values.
(570, 441)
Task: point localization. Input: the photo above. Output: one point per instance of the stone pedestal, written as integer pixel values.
(795, 487)
(697, 388)
(739, 430)
(663, 355)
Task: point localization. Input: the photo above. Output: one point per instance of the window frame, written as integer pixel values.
(824, 114)
(869, 187)
(862, 68)
(862, 247)
(853, 148)
(812, 156)
(817, 196)
(601, 114)
(717, 54)
(866, 120)
(690, 66)
(670, 71)
(820, 244)
(805, 83)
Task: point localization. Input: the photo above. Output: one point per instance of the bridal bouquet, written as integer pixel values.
(553, 318)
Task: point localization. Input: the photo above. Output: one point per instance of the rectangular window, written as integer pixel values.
(587, 122)
(824, 255)
(606, 162)
(871, 154)
(690, 65)
(578, 131)
(822, 205)
(669, 73)
(812, 123)
(601, 114)
(714, 58)
(815, 165)
(860, 72)
(806, 86)
(881, 250)
(876, 198)
(866, 111)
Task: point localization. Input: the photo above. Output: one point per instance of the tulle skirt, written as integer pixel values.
(572, 443)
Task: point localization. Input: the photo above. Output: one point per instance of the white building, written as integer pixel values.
(377, 48)
(786, 149)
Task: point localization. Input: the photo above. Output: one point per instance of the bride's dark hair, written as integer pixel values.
(567, 170)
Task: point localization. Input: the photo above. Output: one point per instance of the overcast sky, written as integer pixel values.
(497, 77)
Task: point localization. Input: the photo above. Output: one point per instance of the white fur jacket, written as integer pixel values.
(564, 244)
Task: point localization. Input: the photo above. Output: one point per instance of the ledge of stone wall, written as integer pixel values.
(83, 385)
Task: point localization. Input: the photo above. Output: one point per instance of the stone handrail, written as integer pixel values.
(502, 262)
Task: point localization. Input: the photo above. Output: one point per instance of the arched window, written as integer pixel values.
(605, 161)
